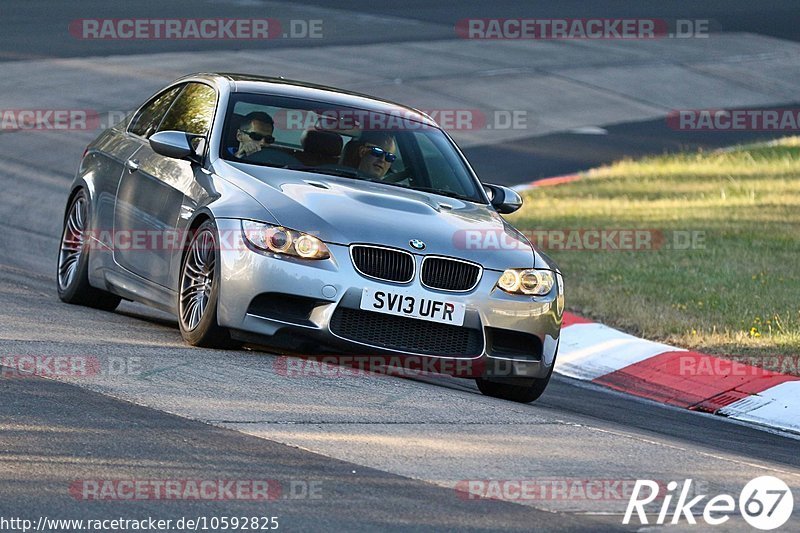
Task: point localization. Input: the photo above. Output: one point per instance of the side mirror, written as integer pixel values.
(173, 144)
(503, 199)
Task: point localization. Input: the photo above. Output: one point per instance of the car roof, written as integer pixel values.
(246, 83)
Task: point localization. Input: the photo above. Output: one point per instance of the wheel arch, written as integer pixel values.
(80, 184)
(198, 218)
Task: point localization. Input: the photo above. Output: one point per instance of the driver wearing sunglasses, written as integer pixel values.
(254, 133)
(377, 152)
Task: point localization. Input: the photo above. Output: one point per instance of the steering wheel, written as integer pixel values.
(273, 156)
(397, 177)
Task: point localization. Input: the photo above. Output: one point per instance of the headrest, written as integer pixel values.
(350, 154)
(235, 124)
(324, 143)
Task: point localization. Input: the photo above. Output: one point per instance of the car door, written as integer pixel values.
(151, 192)
(112, 151)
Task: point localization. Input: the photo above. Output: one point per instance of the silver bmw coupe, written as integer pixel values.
(315, 221)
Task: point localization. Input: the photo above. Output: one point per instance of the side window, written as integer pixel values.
(149, 117)
(192, 111)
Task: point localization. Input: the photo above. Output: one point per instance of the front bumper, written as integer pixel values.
(299, 305)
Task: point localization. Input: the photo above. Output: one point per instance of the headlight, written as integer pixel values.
(283, 241)
(529, 281)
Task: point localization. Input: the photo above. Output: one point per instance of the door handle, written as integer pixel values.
(132, 165)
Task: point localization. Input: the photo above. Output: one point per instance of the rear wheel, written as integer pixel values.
(199, 291)
(72, 276)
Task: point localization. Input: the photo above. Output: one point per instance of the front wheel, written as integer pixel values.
(517, 389)
(199, 291)
(516, 393)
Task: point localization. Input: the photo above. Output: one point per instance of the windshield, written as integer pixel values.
(311, 136)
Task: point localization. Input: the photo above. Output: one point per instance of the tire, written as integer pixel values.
(198, 291)
(72, 272)
(515, 392)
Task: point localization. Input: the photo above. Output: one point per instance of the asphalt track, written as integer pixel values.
(37, 29)
(387, 452)
(563, 153)
(40, 30)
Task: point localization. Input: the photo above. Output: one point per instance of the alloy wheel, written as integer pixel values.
(197, 279)
(72, 242)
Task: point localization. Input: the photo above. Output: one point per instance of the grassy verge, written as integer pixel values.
(724, 274)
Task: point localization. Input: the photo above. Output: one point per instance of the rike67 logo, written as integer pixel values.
(766, 503)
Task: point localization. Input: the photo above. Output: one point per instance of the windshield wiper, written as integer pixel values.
(449, 194)
(342, 172)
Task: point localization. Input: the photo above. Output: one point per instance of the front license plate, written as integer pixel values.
(401, 304)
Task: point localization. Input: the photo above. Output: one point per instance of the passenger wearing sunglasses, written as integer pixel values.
(377, 152)
(254, 133)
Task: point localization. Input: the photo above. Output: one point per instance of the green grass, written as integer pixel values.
(737, 294)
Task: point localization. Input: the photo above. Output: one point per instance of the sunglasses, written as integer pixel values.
(259, 137)
(375, 151)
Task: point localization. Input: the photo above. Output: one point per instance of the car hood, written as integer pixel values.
(345, 211)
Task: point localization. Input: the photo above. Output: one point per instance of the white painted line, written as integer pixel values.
(589, 130)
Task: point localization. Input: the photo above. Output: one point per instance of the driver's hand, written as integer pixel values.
(248, 148)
